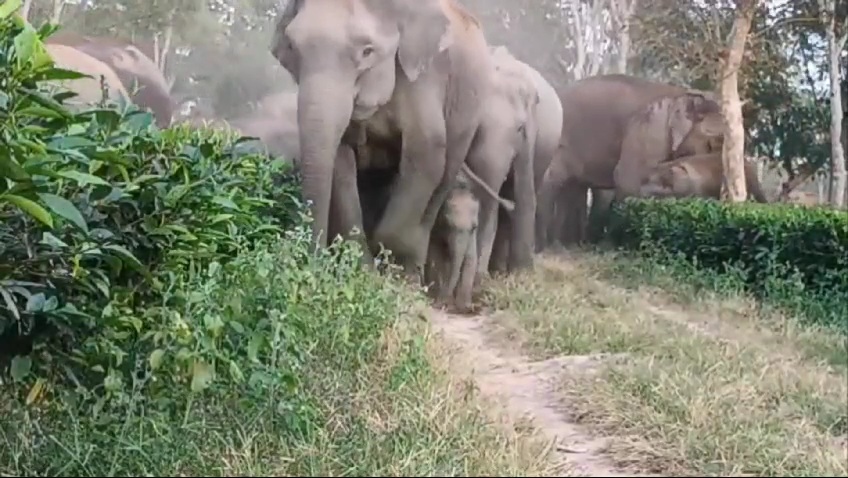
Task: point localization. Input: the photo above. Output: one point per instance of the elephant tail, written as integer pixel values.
(505, 203)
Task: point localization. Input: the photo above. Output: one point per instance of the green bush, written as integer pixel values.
(798, 256)
(101, 211)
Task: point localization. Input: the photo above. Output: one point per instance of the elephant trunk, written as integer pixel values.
(323, 113)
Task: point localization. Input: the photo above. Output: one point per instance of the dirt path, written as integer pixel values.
(524, 388)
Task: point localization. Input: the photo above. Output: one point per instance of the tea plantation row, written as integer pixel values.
(796, 257)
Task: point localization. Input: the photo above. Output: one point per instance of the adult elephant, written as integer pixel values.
(517, 140)
(506, 142)
(88, 90)
(412, 73)
(147, 86)
(616, 127)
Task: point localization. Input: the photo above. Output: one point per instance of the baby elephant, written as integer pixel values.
(452, 256)
(699, 175)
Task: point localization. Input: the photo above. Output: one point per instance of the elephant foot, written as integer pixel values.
(463, 305)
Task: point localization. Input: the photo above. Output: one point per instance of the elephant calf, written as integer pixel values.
(699, 175)
(452, 256)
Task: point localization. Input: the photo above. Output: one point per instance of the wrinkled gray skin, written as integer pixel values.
(145, 83)
(615, 128)
(699, 175)
(505, 142)
(515, 163)
(452, 251)
(411, 72)
(452, 255)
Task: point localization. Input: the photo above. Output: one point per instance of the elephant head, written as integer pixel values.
(344, 56)
(654, 133)
(706, 136)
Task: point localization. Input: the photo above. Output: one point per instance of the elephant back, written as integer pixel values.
(138, 73)
(88, 90)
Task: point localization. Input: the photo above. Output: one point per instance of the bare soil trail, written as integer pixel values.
(526, 390)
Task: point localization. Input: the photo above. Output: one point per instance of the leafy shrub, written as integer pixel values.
(101, 211)
(796, 255)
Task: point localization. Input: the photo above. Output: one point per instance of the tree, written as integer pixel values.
(836, 37)
(733, 150)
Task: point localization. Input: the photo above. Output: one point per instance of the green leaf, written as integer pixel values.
(235, 372)
(51, 240)
(10, 303)
(35, 303)
(30, 207)
(11, 169)
(156, 358)
(8, 8)
(82, 178)
(21, 366)
(201, 376)
(25, 45)
(226, 202)
(129, 257)
(64, 208)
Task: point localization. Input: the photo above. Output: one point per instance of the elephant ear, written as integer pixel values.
(687, 110)
(281, 47)
(424, 33)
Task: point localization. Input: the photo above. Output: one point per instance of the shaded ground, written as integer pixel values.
(634, 381)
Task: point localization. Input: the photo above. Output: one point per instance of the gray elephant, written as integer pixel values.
(412, 73)
(584, 221)
(700, 175)
(505, 143)
(518, 137)
(617, 127)
(140, 76)
(452, 255)
(88, 90)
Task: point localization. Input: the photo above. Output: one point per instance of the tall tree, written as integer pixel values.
(733, 152)
(837, 34)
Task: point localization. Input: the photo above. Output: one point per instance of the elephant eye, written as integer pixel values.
(367, 51)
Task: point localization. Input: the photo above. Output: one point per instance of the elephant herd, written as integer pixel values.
(412, 133)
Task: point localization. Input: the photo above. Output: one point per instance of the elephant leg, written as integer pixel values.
(434, 270)
(345, 208)
(546, 206)
(486, 237)
(500, 248)
(523, 218)
(422, 183)
(571, 213)
(465, 288)
(458, 244)
(599, 214)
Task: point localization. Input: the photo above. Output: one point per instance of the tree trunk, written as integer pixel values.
(733, 150)
(58, 6)
(27, 6)
(837, 152)
(622, 11)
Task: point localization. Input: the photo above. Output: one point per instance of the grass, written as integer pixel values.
(370, 397)
(707, 381)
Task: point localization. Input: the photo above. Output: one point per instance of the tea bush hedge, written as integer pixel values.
(99, 207)
(798, 254)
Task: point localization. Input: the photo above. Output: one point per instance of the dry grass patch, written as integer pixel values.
(708, 388)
